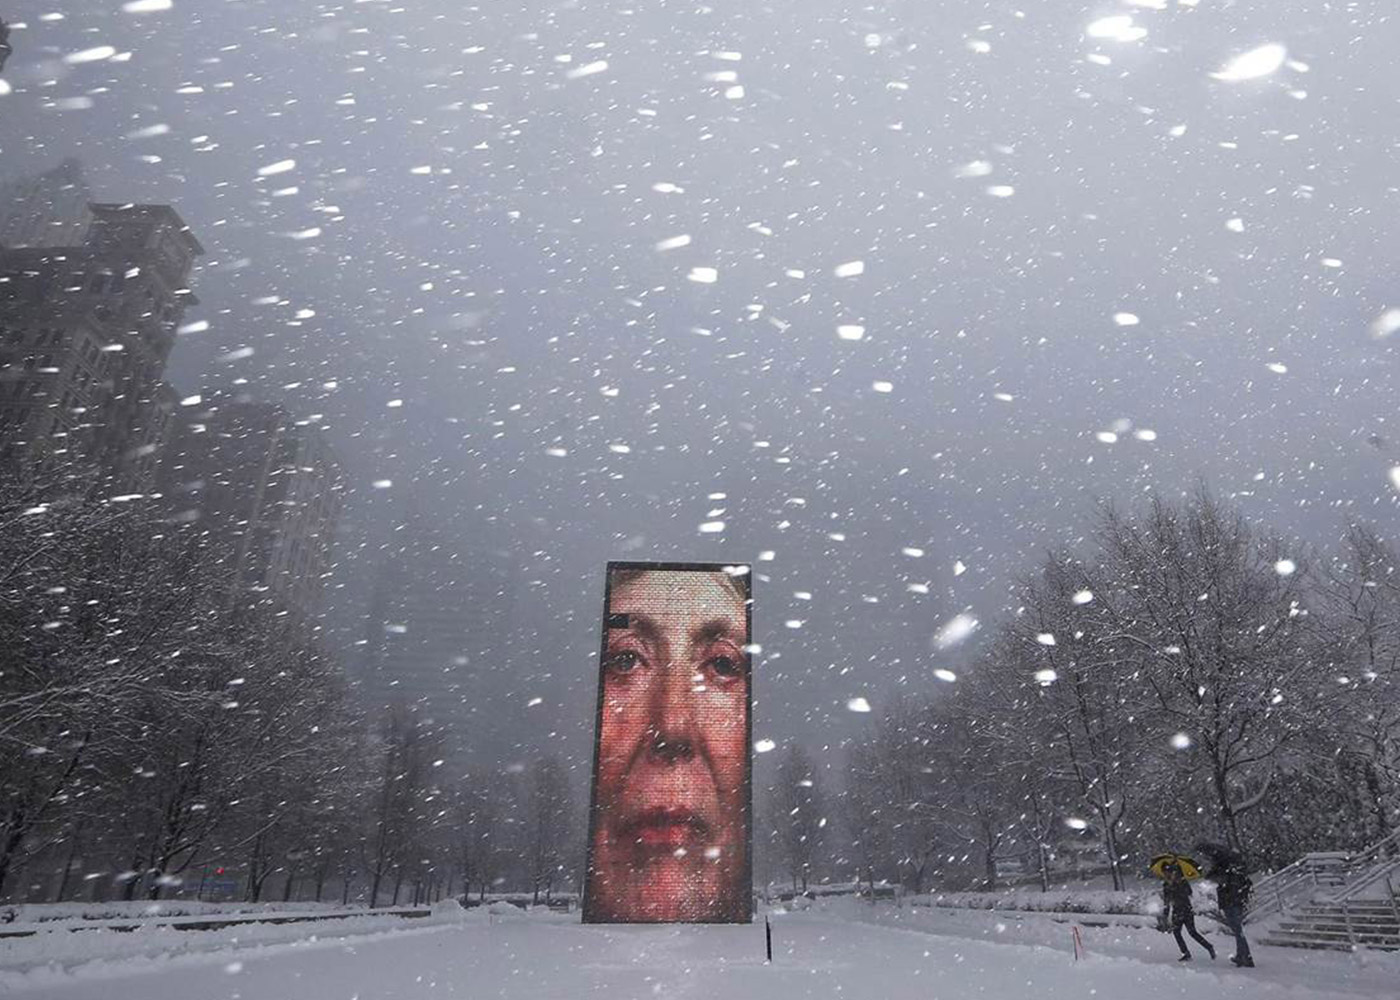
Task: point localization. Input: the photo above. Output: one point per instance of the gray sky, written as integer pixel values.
(471, 227)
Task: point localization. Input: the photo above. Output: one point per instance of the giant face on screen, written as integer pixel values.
(669, 827)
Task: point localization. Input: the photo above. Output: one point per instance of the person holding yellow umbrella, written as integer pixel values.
(1176, 871)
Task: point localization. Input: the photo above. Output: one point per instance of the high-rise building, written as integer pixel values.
(264, 491)
(85, 332)
(436, 632)
(46, 210)
(5, 47)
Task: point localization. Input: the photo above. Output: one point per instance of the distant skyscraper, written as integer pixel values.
(5, 47)
(265, 491)
(46, 210)
(436, 631)
(85, 332)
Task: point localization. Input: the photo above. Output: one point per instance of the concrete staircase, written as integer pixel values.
(1335, 901)
(1339, 926)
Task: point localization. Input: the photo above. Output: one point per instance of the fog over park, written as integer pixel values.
(886, 300)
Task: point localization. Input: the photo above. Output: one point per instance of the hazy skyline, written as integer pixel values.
(456, 233)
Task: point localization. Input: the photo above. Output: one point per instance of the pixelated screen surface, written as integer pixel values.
(670, 823)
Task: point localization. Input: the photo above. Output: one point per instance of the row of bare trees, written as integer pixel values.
(1188, 676)
(158, 737)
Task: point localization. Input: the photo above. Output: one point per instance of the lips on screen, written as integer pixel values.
(669, 830)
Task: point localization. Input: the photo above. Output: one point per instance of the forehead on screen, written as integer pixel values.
(624, 582)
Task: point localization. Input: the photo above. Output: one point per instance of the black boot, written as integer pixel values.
(1185, 958)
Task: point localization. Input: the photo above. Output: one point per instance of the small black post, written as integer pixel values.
(768, 932)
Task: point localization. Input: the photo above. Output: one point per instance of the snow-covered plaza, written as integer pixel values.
(842, 948)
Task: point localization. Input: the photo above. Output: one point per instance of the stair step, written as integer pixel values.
(1328, 945)
(1313, 945)
(1390, 939)
(1307, 936)
(1305, 932)
(1328, 918)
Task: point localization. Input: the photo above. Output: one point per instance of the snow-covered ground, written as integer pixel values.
(840, 948)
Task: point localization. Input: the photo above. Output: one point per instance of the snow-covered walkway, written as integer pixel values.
(842, 949)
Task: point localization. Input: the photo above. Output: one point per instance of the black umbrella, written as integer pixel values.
(1220, 855)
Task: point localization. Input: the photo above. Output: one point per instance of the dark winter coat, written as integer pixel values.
(1176, 902)
(1232, 884)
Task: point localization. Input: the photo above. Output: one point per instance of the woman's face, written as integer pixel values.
(669, 834)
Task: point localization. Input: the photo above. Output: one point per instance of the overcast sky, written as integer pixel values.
(614, 260)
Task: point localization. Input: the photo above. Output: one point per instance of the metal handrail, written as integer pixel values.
(1385, 846)
(1265, 886)
(1388, 846)
(1370, 866)
(1358, 872)
(1376, 874)
(1278, 891)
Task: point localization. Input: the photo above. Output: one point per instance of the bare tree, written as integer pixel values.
(98, 603)
(797, 816)
(1360, 597)
(894, 782)
(1214, 620)
(549, 824)
(1010, 718)
(970, 792)
(1081, 692)
(405, 752)
(866, 810)
(480, 806)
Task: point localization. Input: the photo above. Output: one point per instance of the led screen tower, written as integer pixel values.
(670, 825)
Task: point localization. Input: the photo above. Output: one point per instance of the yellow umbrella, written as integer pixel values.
(1188, 866)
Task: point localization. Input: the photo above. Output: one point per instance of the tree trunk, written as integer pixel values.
(1110, 846)
(10, 849)
(129, 890)
(254, 870)
(1373, 787)
(1227, 811)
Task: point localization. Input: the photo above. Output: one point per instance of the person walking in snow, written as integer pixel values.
(1232, 889)
(1176, 899)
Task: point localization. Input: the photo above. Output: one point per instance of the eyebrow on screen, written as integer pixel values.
(717, 628)
(647, 627)
(643, 625)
